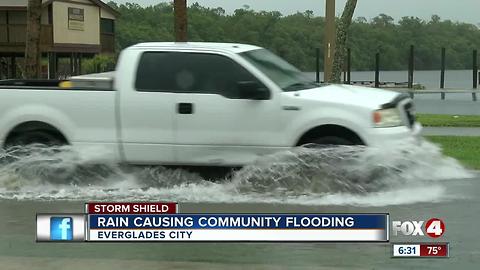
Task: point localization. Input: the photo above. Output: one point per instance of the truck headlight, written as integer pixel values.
(387, 118)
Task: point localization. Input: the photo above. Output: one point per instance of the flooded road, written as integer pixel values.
(431, 104)
(410, 182)
(451, 131)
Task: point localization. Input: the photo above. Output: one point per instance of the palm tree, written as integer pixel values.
(32, 48)
(342, 32)
(180, 8)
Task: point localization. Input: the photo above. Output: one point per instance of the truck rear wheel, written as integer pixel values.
(35, 137)
(37, 148)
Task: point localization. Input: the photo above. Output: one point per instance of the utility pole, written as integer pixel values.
(180, 9)
(330, 37)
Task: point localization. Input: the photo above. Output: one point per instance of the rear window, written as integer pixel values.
(155, 72)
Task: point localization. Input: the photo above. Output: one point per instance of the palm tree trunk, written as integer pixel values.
(342, 33)
(32, 48)
(180, 8)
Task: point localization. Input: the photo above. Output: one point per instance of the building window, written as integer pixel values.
(17, 17)
(107, 26)
(3, 17)
(50, 14)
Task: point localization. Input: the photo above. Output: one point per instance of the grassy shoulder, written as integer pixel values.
(464, 149)
(443, 120)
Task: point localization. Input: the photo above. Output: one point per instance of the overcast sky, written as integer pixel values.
(456, 10)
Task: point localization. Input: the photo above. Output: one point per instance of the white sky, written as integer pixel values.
(455, 10)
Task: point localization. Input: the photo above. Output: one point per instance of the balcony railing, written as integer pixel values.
(15, 34)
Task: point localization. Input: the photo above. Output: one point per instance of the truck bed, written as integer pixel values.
(90, 112)
(93, 82)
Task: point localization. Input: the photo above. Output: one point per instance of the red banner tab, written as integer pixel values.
(132, 208)
(434, 250)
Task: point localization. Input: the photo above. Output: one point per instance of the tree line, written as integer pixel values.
(295, 37)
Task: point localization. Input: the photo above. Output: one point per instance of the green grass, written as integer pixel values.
(464, 149)
(442, 120)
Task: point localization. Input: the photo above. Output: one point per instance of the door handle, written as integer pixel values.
(185, 108)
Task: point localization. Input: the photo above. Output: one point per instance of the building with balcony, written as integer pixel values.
(70, 31)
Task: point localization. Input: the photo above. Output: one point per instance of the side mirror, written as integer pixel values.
(253, 90)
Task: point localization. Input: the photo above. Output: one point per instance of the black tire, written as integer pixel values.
(45, 145)
(329, 141)
(35, 137)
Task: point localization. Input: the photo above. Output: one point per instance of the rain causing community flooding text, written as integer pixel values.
(347, 175)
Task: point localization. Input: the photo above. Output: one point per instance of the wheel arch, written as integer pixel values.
(29, 126)
(330, 130)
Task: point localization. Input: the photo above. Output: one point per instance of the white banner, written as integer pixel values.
(307, 235)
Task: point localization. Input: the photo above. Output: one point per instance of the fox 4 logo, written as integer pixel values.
(434, 227)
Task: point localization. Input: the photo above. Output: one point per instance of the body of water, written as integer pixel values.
(454, 79)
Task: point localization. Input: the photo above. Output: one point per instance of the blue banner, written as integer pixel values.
(239, 221)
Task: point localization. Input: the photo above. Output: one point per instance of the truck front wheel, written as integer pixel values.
(331, 140)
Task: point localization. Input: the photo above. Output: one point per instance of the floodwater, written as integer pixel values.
(451, 131)
(408, 181)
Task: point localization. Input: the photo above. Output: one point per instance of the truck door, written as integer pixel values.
(215, 123)
(147, 109)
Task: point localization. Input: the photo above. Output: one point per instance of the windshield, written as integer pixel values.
(286, 76)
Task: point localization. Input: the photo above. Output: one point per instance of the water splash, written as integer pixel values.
(352, 175)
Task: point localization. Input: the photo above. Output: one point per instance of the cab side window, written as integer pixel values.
(196, 73)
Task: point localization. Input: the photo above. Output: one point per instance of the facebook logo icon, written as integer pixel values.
(61, 228)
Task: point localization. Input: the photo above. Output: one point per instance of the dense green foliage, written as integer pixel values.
(464, 149)
(443, 120)
(99, 63)
(296, 36)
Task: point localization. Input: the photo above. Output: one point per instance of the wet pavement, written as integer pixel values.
(458, 208)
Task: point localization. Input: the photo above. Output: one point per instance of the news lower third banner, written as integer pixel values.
(161, 222)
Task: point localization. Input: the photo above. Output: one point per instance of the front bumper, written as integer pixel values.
(394, 135)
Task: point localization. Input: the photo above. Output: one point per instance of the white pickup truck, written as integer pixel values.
(201, 104)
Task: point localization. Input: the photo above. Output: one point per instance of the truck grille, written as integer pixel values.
(410, 113)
